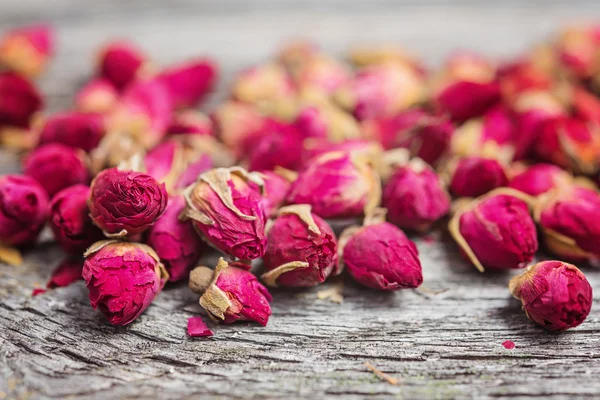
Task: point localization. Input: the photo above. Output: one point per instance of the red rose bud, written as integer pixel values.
(568, 219)
(586, 106)
(175, 241)
(523, 76)
(380, 256)
(68, 272)
(27, 50)
(465, 99)
(70, 220)
(121, 63)
(415, 197)
(276, 187)
(301, 250)
(23, 209)
(123, 279)
(125, 202)
(74, 129)
(237, 125)
(189, 82)
(280, 147)
(56, 166)
(190, 122)
(476, 176)
(19, 100)
(97, 96)
(337, 185)
(577, 51)
(540, 178)
(228, 211)
(554, 294)
(325, 121)
(381, 90)
(496, 230)
(231, 293)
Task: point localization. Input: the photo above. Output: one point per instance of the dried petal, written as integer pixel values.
(197, 327)
(189, 82)
(27, 50)
(74, 129)
(19, 100)
(97, 96)
(476, 176)
(67, 272)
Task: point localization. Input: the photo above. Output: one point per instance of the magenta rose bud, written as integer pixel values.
(301, 250)
(238, 125)
(540, 178)
(415, 197)
(74, 129)
(496, 230)
(190, 122)
(228, 211)
(314, 147)
(554, 294)
(175, 241)
(121, 63)
(337, 185)
(125, 202)
(281, 147)
(67, 272)
(23, 209)
(265, 86)
(189, 82)
(321, 75)
(381, 257)
(231, 293)
(19, 100)
(70, 220)
(97, 96)
(276, 187)
(123, 278)
(56, 166)
(475, 176)
(193, 171)
(466, 99)
(327, 122)
(27, 50)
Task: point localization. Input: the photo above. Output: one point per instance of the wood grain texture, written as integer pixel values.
(440, 346)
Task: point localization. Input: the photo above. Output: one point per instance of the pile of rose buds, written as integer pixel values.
(137, 185)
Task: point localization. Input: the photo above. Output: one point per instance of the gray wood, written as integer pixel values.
(439, 346)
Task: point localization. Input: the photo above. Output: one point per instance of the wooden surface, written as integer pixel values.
(443, 345)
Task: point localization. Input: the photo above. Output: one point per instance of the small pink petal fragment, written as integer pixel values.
(38, 291)
(67, 272)
(197, 327)
(508, 344)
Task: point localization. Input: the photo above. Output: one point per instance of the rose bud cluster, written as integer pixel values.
(476, 176)
(75, 129)
(189, 82)
(121, 63)
(231, 293)
(97, 96)
(123, 279)
(19, 100)
(301, 249)
(554, 294)
(27, 50)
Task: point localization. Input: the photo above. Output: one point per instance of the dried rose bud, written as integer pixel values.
(325, 121)
(577, 51)
(74, 129)
(378, 54)
(381, 90)
(540, 178)
(415, 197)
(189, 82)
(121, 63)
(568, 219)
(175, 241)
(97, 96)
(263, 84)
(190, 122)
(28, 49)
(555, 295)
(70, 220)
(293, 54)
(476, 176)
(228, 212)
(123, 279)
(301, 250)
(68, 272)
(237, 125)
(56, 166)
(496, 230)
(231, 293)
(462, 100)
(19, 100)
(125, 202)
(193, 171)
(197, 328)
(281, 146)
(586, 105)
(380, 256)
(115, 148)
(23, 209)
(321, 74)
(521, 76)
(314, 147)
(276, 187)
(336, 185)
(468, 66)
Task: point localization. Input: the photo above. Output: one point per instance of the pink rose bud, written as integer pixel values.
(496, 230)
(121, 63)
(237, 125)
(415, 197)
(27, 50)
(228, 211)
(123, 279)
(175, 241)
(314, 147)
(74, 129)
(301, 250)
(276, 187)
(554, 294)
(19, 100)
(476, 176)
(97, 96)
(231, 293)
(189, 82)
(328, 122)
(337, 185)
(68, 272)
(540, 178)
(577, 51)
(586, 105)
(23, 209)
(125, 202)
(281, 146)
(523, 76)
(568, 219)
(267, 83)
(381, 90)
(197, 328)
(70, 220)
(321, 75)
(462, 100)
(383, 54)
(190, 122)
(468, 66)
(380, 256)
(193, 171)
(56, 166)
